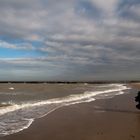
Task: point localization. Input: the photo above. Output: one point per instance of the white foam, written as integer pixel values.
(21, 128)
(11, 88)
(85, 84)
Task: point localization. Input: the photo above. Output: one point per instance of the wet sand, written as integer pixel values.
(107, 119)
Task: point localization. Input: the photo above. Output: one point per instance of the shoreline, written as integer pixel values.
(84, 121)
(69, 82)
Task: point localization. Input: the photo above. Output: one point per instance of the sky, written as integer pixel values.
(69, 40)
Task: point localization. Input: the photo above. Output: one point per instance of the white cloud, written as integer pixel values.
(109, 6)
(22, 46)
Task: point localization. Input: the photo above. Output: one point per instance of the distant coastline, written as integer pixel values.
(69, 82)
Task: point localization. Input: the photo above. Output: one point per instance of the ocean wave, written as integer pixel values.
(15, 118)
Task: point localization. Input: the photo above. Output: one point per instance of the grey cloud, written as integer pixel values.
(88, 10)
(129, 9)
(20, 18)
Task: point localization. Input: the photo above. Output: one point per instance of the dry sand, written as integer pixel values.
(108, 119)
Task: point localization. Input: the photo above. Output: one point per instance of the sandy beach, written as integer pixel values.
(113, 119)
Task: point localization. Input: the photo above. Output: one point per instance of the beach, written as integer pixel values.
(114, 118)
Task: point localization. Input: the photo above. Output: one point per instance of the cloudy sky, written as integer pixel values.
(69, 40)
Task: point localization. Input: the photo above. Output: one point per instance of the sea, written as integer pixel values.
(20, 105)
